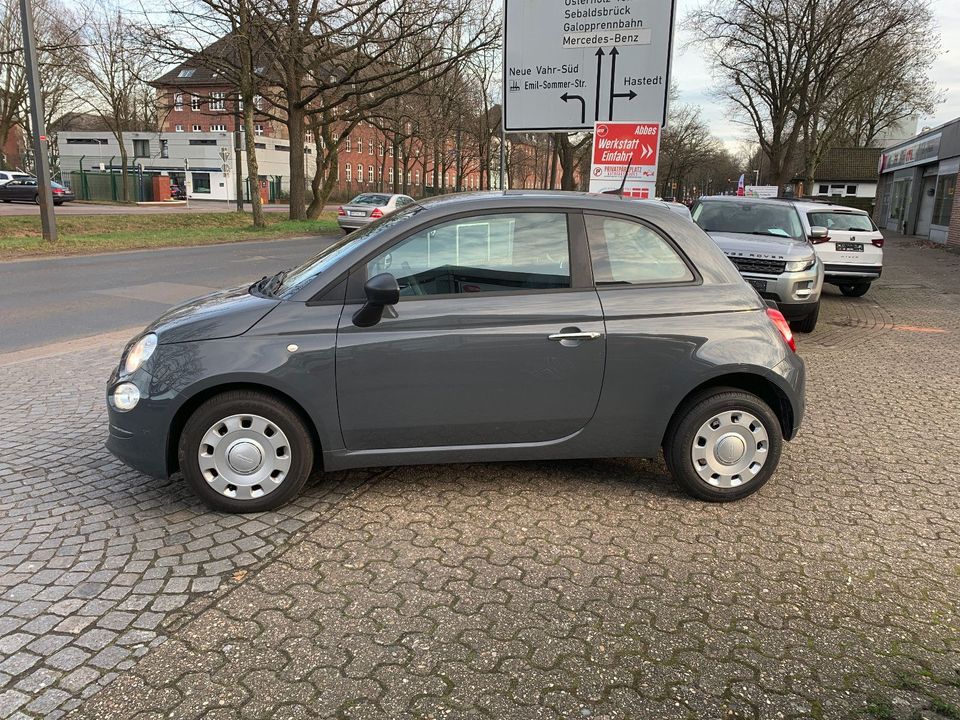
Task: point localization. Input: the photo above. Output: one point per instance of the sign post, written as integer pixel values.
(625, 154)
(570, 65)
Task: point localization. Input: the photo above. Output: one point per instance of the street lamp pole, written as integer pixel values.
(48, 222)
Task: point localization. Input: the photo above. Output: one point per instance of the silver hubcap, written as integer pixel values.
(244, 457)
(730, 449)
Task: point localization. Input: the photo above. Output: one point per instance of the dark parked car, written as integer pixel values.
(26, 190)
(469, 328)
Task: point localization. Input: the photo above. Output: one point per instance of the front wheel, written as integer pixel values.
(724, 445)
(245, 451)
(36, 199)
(854, 289)
(809, 322)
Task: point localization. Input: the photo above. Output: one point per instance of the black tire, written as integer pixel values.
(679, 444)
(36, 199)
(808, 323)
(239, 402)
(854, 289)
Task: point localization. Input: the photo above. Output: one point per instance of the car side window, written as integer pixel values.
(485, 253)
(629, 253)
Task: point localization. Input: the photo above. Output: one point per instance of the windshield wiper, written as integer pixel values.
(269, 285)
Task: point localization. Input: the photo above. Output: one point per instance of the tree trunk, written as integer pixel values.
(298, 176)
(253, 167)
(124, 190)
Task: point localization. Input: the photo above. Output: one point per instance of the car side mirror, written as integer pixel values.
(381, 290)
(819, 233)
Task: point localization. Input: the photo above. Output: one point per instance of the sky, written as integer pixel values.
(694, 81)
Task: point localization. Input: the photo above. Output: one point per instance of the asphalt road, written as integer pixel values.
(56, 299)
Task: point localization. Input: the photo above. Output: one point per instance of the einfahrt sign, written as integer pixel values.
(625, 150)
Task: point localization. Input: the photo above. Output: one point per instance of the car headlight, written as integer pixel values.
(140, 352)
(801, 265)
(126, 396)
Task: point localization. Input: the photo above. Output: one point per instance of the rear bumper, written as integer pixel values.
(349, 223)
(836, 272)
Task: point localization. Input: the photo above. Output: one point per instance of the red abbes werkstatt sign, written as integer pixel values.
(625, 150)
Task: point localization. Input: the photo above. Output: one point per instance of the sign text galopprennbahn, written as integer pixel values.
(618, 146)
(571, 63)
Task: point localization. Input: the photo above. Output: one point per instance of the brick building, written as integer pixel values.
(12, 148)
(193, 99)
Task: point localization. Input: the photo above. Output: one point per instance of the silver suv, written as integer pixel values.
(767, 242)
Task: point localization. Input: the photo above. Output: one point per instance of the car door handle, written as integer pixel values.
(574, 336)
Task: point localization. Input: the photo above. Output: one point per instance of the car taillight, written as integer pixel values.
(878, 242)
(341, 211)
(377, 213)
(57, 191)
(781, 324)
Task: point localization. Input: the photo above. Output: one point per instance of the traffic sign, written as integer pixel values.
(570, 64)
(625, 153)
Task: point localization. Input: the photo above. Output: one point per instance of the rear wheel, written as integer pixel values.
(36, 199)
(723, 445)
(808, 323)
(245, 451)
(854, 289)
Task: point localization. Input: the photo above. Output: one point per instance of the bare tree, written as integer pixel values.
(56, 28)
(116, 67)
(780, 61)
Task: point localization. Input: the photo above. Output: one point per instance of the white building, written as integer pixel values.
(205, 162)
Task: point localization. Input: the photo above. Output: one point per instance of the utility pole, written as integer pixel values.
(48, 223)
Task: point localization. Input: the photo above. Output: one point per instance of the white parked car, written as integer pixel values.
(847, 242)
(8, 175)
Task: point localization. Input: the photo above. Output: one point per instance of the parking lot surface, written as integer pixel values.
(575, 589)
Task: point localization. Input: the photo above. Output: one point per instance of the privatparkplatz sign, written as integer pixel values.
(571, 63)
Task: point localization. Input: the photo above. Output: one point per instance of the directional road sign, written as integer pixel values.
(625, 153)
(571, 63)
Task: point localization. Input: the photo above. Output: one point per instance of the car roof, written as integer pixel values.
(811, 205)
(805, 204)
(564, 199)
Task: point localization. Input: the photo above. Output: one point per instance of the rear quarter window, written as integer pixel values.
(624, 252)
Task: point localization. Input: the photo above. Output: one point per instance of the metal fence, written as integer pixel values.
(108, 186)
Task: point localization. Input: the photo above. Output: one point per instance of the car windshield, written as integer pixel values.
(370, 199)
(843, 221)
(304, 274)
(748, 218)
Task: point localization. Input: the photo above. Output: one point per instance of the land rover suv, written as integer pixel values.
(767, 242)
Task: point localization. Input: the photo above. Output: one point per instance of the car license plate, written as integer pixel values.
(355, 213)
(760, 285)
(849, 247)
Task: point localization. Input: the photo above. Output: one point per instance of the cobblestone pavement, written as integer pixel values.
(588, 589)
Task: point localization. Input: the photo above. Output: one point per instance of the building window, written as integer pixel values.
(851, 189)
(178, 128)
(195, 103)
(349, 146)
(380, 149)
(186, 72)
(258, 129)
(349, 173)
(197, 128)
(178, 102)
(218, 128)
(164, 148)
(257, 102)
(359, 173)
(201, 183)
(217, 102)
(203, 142)
(141, 148)
(370, 146)
(282, 148)
(370, 175)
(943, 204)
(823, 190)
(308, 136)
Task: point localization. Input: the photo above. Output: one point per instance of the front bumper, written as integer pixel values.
(138, 437)
(796, 293)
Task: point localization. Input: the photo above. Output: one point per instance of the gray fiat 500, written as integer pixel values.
(512, 326)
